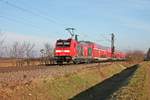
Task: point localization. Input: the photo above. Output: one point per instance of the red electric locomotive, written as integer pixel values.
(65, 50)
(82, 51)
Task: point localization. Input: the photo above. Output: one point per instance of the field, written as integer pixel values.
(117, 80)
(9, 62)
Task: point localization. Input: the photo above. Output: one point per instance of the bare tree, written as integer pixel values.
(2, 38)
(21, 50)
(28, 49)
(16, 51)
(48, 50)
(46, 54)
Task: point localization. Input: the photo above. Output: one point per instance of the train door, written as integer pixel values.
(89, 52)
(80, 50)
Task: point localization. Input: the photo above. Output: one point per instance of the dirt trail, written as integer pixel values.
(104, 89)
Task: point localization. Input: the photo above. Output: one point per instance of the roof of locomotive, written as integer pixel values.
(64, 39)
(86, 42)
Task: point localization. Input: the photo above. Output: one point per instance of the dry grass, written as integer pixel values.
(18, 62)
(138, 87)
(7, 62)
(61, 87)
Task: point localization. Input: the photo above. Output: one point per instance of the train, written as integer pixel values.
(72, 50)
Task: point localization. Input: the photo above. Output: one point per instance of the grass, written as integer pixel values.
(64, 87)
(138, 87)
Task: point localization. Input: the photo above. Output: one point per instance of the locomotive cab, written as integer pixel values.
(65, 50)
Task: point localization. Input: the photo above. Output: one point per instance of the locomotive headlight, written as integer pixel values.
(58, 51)
(66, 50)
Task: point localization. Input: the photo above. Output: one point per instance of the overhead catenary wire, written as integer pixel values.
(47, 18)
(105, 37)
(40, 14)
(18, 21)
(37, 10)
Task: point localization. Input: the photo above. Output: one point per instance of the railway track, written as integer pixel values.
(27, 68)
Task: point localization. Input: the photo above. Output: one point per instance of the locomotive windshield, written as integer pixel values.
(63, 43)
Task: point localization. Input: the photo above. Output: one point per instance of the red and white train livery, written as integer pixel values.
(82, 51)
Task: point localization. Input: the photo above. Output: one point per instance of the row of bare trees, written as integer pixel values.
(21, 50)
(25, 51)
(17, 50)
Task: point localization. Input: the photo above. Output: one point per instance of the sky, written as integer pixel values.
(41, 21)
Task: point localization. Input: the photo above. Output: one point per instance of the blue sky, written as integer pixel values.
(94, 20)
